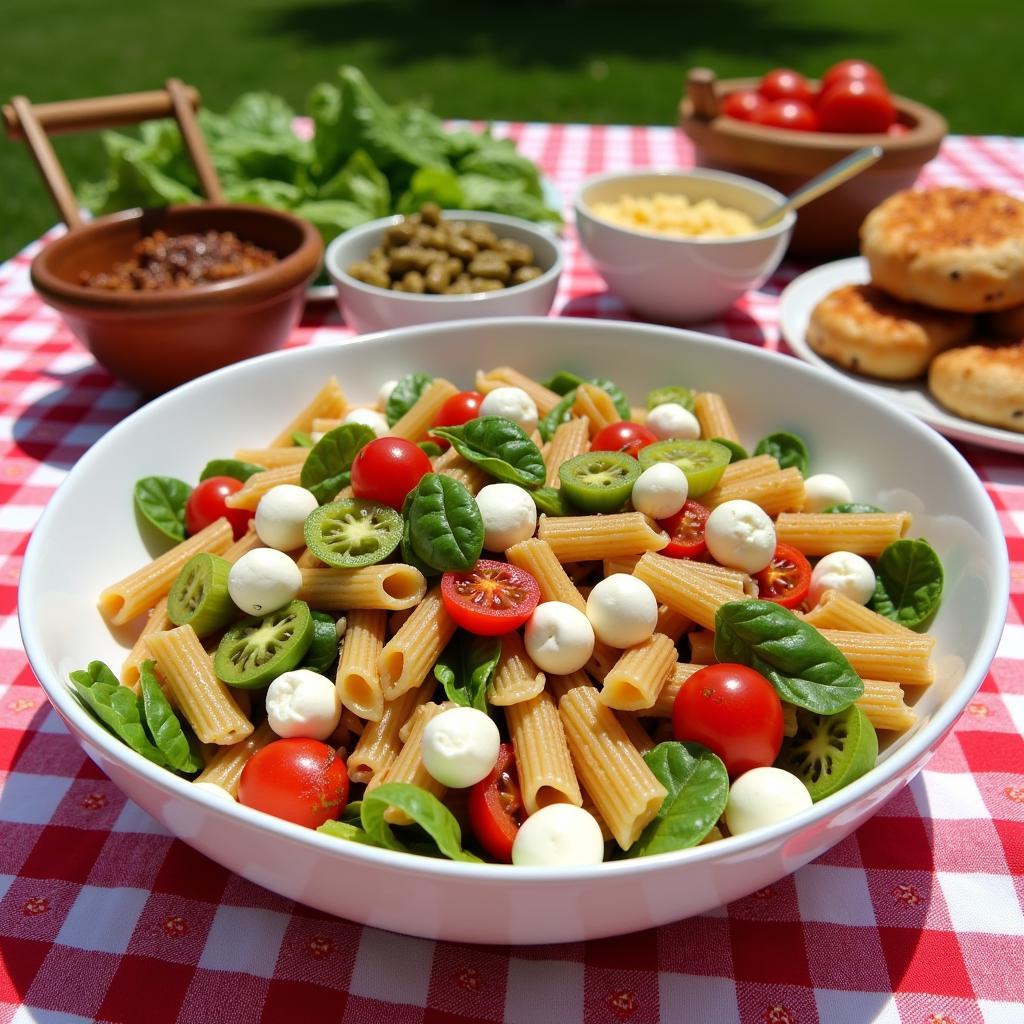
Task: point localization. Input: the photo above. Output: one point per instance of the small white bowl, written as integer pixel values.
(368, 308)
(681, 280)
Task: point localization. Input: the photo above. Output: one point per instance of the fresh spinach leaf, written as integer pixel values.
(324, 648)
(563, 382)
(405, 394)
(787, 449)
(736, 451)
(116, 707)
(500, 447)
(430, 449)
(854, 508)
(163, 725)
(908, 583)
(409, 555)
(327, 467)
(560, 414)
(230, 467)
(698, 788)
(301, 439)
(794, 657)
(425, 810)
(346, 830)
(552, 502)
(466, 668)
(160, 501)
(671, 394)
(445, 527)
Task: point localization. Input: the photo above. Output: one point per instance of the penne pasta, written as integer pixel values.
(322, 424)
(638, 735)
(224, 768)
(883, 703)
(569, 440)
(504, 376)
(273, 458)
(543, 761)
(409, 656)
(713, 415)
(380, 742)
(422, 415)
(624, 564)
(516, 678)
(836, 611)
(662, 707)
(601, 660)
(589, 538)
(358, 676)
(635, 680)
(596, 406)
(408, 765)
(249, 540)
(774, 492)
(538, 559)
(559, 686)
(328, 401)
(702, 647)
(741, 582)
(671, 623)
(391, 586)
(452, 464)
(683, 588)
(900, 658)
(821, 533)
(157, 622)
(259, 483)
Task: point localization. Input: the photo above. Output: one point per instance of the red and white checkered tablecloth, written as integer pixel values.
(918, 918)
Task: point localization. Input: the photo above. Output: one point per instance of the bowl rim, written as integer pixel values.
(915, 749)
(581, 206)
(288, 272)
(342, 279)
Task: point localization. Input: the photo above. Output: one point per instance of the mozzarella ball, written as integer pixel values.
(460, 747)
(762, 797)
(370, 418)
(740, 535)
(385, 393)
(846, 572)
(559, 835)
(303, 703)
(263, 580)
(559, 638)
(671, 420)
(512, 403)
(824, 490)
(623, 610)
(281, 515)
(214, 790)
(509, 515)
(660, 490)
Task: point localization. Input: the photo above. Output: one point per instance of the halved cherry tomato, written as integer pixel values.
(624, 436)
(796, 115)
(786, 579)
(496, 806)
(491, 598)
(855, 105)
(387, 469)
(459, 409)
(744, 104)
(733, 711)
(205, 505)
(686, 530)
(850, 69)
(785, 84)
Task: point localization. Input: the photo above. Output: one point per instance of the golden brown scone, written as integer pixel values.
(866, 330)
(951, 248)
(984, 383)
(1008, 324)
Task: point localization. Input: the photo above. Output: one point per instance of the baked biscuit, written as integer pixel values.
(1008, 324)
(984, 383)
(862, 328)
(952, 248)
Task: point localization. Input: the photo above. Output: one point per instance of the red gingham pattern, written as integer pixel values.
(915, 919)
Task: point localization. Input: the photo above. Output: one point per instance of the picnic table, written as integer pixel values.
(916, 918)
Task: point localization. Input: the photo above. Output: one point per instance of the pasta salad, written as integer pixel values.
(527, 623)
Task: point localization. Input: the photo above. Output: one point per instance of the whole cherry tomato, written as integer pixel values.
(850, 69)
(785, 84)
(744, 105)
(459, 409)
(624, 436)
(797, 115)
(205, 505)
(855, 105)
(387, 469)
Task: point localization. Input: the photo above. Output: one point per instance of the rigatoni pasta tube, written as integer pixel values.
(328, 401)
(411, 653)
(452, 464)
(774, 492)
(702, 647)
(391, 586)
(597, 406)
(158, 622)
(504, 376)
(559, 686)
(713, 415)
(380, 742)
(569, 440)
(543, 761)
(249, 540)
(623, 788)
(224, 769)
(358, 675)
(740, 581)
(635, 680)
(884, 704)
(206, 702)
(422, 414)
(537, 558)
(259, 483)
(836, 611)
(273, 458)
(637, 734)
(408, 765)
(662, 707)
(901, 658)
(671, 623)
(676, 583)
(590, 538)
(143, 589)
(602, 659)
(516, 678)
(624, 564)
(821, 533)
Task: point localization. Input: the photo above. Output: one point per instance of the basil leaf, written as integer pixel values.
(552, 502)
(794, 657)
(425, 810)
(324, 648)
(499, 447)
(326, 469)
(160, 501)
(346, 830)
(445, 527)
(788, 450)
(853, 508)
(561, 413)
(678, 395)
(404, 397)
(698, 788)
(230, 467)
(466, 668)
(737, 453)
(301, 439)
(430, 449)
(163, 725)
(616, 394)
(563, 382)
(116, 707)
(908, 583)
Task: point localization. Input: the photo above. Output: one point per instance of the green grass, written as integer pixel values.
(613, 61)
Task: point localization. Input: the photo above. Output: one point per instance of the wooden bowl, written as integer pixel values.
(784, 159)
(157, 340)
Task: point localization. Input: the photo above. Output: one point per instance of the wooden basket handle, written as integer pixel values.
(35, 124)
(700, 88)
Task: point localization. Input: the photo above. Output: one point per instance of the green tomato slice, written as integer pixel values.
(199, 596)
(703, 462)
(599, 481)
(256, 651)
(351, 533)
(829, 751)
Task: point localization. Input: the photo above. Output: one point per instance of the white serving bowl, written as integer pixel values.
(681, 280)
(368, 308)
(87, 537)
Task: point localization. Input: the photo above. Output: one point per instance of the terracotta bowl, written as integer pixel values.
(157, 340)
(785, 159)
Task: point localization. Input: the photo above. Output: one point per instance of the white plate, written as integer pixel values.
(795, 306)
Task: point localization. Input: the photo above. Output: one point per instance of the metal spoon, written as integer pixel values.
(829, 179)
